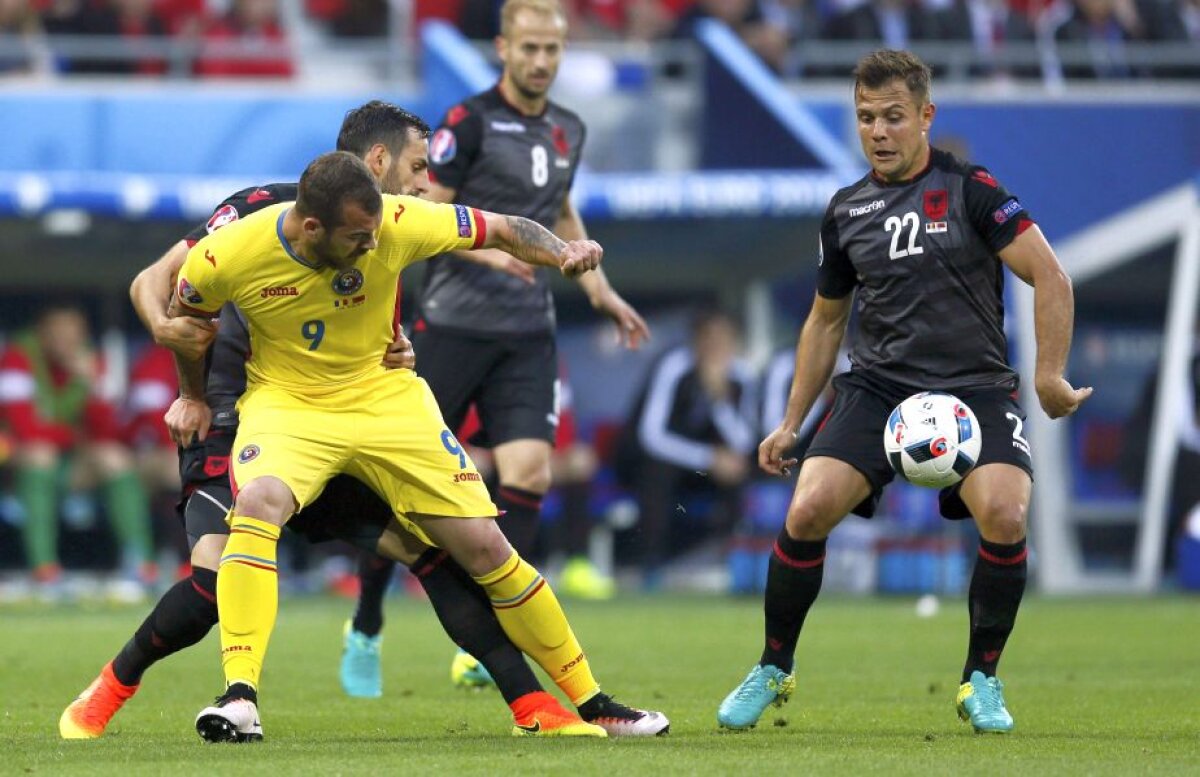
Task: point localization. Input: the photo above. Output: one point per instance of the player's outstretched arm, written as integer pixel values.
(532, 243)
(632, 330)
(1032, 259)
(816, 354)
(151, 293)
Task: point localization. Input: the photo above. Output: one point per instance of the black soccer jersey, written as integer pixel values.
(499, 160)
(923, 256)
(226, 365)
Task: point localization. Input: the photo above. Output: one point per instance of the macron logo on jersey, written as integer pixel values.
(1007, 211)
(870, 207)
(508, 126)
(443, 146)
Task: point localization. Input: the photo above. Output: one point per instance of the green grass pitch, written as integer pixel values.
(1097, 686)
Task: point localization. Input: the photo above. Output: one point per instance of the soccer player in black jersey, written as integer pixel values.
(393, 144)
(486, 337)
(922, 242)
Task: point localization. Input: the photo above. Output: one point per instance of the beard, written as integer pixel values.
(326, 256)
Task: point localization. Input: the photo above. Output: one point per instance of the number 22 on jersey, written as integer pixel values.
(896, 225)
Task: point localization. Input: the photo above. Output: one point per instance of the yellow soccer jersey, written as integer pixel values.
(314, 328)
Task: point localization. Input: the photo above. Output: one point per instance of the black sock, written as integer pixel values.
(793, 582)
(182, 617)
(374, 577)
(997, 586)
(522, 513)
(467, 616)
(241, 691)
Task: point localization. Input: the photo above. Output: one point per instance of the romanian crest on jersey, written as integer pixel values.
(348, 281)
(249, 453)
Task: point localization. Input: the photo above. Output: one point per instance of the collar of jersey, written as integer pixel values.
(514, 109)
(286, 245)
(890, 184)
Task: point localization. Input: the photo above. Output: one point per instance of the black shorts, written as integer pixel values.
(346, 510)
(512, 381)
(852, 431)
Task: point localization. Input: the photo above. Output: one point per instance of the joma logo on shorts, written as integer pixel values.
(462, 477)
(573, 662)
(279, 291)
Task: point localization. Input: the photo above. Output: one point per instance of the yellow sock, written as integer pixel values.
(247, 597)
(533, 619)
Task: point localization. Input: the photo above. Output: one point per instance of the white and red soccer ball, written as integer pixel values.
(932, 439)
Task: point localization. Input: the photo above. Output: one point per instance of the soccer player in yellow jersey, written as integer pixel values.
(316, 281)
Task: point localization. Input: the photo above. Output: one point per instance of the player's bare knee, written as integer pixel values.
(808, 518)
(207, 552)
(267, 499)
(1001, 519)
(535, 481)
(487, 554)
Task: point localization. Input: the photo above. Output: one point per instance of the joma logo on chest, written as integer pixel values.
(279, 291)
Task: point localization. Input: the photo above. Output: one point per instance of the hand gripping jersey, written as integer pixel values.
(922, 255)
(502, 161)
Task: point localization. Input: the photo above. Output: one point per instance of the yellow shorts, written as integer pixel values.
(386, 430)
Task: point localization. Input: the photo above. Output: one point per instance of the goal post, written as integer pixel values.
(1172, 216)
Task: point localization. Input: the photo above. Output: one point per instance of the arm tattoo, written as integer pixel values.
(532, 243)
(191, 373)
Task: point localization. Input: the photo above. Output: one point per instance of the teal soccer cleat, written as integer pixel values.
(764, 686)
(981, 701)
(361, 675)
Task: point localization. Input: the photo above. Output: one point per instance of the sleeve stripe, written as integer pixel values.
(480, 228)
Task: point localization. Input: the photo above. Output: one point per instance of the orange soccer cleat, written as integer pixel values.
(89, 714)
(539, 714)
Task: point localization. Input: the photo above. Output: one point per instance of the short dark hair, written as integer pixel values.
(378, 122)
(330, 182)
(879, 67)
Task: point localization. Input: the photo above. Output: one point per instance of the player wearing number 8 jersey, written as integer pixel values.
(316, 282)
(922, 242)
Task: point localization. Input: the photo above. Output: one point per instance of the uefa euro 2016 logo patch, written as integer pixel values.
(249, 453)
(348, 282)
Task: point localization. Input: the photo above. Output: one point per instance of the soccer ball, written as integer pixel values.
(932, 439)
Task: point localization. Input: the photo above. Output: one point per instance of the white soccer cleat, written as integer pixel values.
(230, 720)
(620, 720)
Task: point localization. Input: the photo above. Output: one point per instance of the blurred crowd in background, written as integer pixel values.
(259, 38)
(89, 478)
